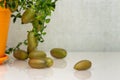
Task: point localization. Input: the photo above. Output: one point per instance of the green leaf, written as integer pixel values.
(19, 44)
(47, 20)
(10, 50)
(44, 33)
(25, 42)
(14, 19)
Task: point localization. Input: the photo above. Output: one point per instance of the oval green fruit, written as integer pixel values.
(20, 54)
(58, 53)
(37, 63)
(83, 65)
(32, 41)
(36, 54)
(28, 16)
(40, 63)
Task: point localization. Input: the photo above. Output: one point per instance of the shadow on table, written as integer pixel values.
(59, 63)
(40, 74)
(82, 75)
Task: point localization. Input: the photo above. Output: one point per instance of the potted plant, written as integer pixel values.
(35, 12)
(4, 26)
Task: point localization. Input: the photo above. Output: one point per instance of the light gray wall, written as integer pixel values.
(78, 25)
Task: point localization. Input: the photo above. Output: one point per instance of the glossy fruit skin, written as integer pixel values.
(36, 54)
(32, 41)
(58, 53)
(28, 16)
(40, 63)
(83, 65)
(37, 63)
(49, 61)
(20, 54)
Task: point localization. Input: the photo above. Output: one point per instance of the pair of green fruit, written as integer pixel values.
(39, 59)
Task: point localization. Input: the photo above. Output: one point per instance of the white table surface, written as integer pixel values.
(105, 66)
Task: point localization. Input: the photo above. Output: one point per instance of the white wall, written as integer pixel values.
(78, 25)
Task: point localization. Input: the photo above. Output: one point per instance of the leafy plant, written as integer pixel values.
(36, 12)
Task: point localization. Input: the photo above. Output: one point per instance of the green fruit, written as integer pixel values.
(29, 49)
(35, 54)
(49, 61)
(41, 63)
(37, 63)
(32, 41)
(28, 16)
(83, 65)
(58, 53)
(20, 54)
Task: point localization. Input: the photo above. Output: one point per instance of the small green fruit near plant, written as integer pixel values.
(28, 16)
(37, 54)
(58, 53)
(20, 54)
(82, 65)
(40, 63)
(37, 63)
(32, 41)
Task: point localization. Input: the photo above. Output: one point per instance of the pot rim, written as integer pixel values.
(3, 59)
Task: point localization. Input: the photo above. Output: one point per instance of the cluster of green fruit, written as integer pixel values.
(38, 59)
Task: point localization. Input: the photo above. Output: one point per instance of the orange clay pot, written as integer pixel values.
(4, 26)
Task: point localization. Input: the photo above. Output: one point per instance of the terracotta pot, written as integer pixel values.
(4, 27)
